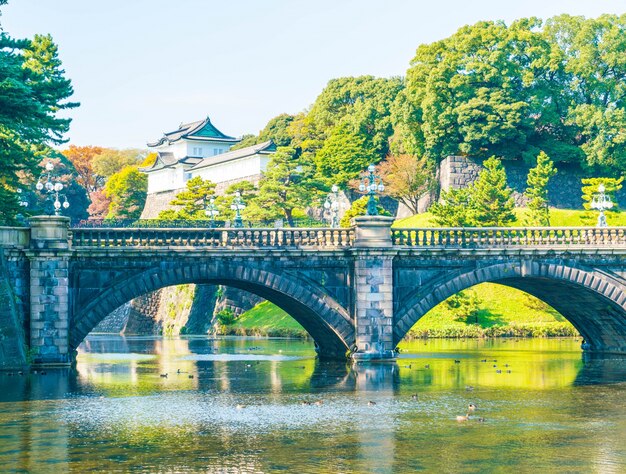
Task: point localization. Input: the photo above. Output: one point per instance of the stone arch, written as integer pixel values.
(592, 300)
(327, 322)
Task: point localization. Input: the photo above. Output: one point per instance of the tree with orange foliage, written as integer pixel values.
(82, 159)
(407, 178)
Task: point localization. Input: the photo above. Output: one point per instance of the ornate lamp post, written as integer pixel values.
(601, 202)
(238, 205)
(49, 184)
(332, 204)
(211, 211)
(374, 185)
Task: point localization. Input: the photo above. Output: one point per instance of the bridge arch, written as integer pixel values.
(592, 300)
(327, 322)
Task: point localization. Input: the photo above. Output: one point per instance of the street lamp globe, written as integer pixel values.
(49, 166)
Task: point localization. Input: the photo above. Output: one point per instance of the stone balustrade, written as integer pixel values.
(14, 237)
(193, 237)
(497, 237)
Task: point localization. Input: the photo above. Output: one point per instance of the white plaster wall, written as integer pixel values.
(233, 170)
(166, 179)
(207, 148)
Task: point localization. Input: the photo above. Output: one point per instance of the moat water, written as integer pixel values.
(249, 405)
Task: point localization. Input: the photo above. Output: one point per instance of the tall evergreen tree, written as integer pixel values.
(491, 199)
(33, 90)
(453, 209)
(537, 190)
(287, 184)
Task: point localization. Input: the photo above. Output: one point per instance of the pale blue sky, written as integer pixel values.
(140, 67)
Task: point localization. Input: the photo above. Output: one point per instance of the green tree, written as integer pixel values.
(591, 52)
(359, 208)
(537, 190)
(127, 190)
(453, 208)
(224, 202)
(277, 130)
(33, 90)
(488, 202)
(492, 89)
(344, 155)
(492, 200)
(287, 184)
(191, 202)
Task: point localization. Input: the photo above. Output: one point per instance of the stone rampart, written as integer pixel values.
(563, 191)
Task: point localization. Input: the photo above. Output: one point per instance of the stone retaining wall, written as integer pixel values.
(563, 191)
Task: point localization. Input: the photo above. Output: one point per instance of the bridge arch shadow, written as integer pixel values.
(592, 300)
(326, 321)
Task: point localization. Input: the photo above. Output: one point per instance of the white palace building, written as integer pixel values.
(199, 149)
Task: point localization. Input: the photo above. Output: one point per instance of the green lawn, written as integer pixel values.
(558, 218)
(503, 312)
(265, 319)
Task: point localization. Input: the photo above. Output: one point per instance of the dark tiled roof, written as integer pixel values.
(166, 159)
(200, 130)
(263, 148)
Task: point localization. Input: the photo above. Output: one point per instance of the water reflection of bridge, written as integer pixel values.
(41, 440)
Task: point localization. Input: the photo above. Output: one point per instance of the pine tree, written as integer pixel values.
(191, 202)
(491, 199)
(287, 184)
(453, 209)
(537, 190)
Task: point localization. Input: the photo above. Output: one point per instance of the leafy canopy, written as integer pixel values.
(33, 90)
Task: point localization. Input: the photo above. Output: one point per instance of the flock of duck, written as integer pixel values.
(471, 408)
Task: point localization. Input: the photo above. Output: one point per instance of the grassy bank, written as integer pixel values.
(558, 218)
(487, 310)
(265, 319)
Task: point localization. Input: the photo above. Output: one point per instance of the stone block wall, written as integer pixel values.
(563, 191)
(114, 323)
(238, 301)
(157, 202)
(142, 315)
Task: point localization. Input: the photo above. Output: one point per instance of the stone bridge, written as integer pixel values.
(356, 290)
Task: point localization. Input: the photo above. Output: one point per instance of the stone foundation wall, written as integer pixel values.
(563, 191)
(157, 202)
(238, 301)
(142, 316)
(114, 323)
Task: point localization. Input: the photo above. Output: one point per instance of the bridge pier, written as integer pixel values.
(49, 256)
(373, 282)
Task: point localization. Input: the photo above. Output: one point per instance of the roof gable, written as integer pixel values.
(199, 130)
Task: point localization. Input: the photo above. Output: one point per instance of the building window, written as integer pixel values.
(216, 151)
(197, 151)
(187, 177)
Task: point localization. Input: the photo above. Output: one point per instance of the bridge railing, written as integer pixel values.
(194, 237)
(485, 237)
